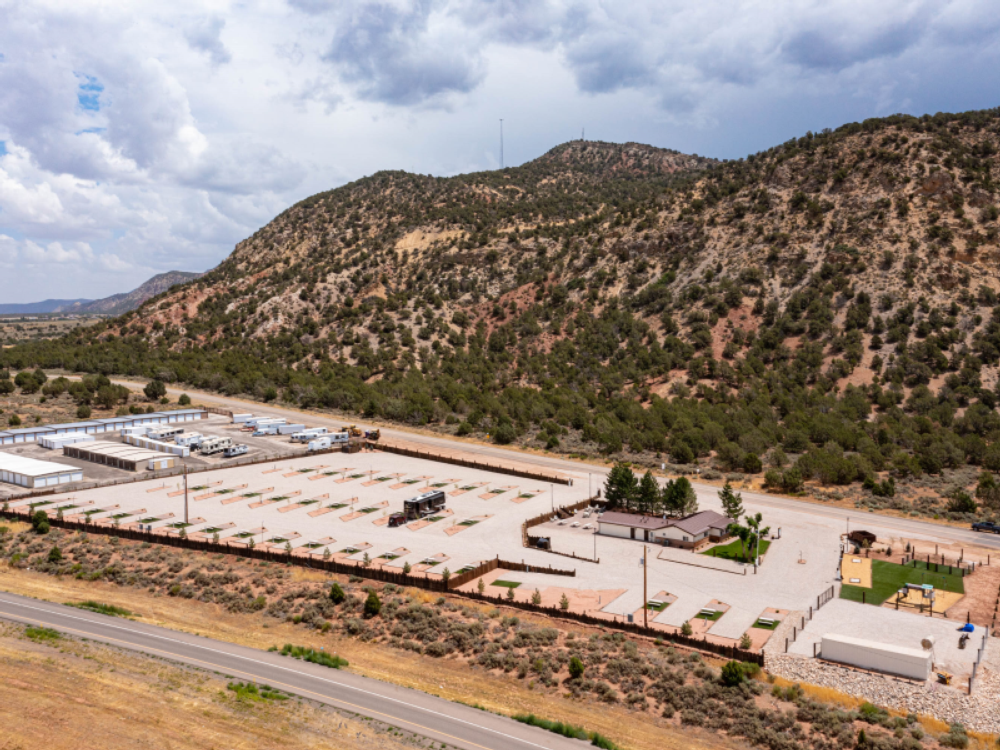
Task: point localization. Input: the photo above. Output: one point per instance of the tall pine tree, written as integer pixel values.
(648, 496)
(621, 488)
(732, 502)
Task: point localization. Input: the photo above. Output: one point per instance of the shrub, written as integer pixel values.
(337, 594)
(732, 673)
(313, 656)
(184, 400)
(373, 605)
(55, 555)
(40, 522)
(576, 668)
(83, 412)
(956, 737)
(686, 629)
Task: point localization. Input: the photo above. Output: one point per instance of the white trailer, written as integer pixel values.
(266, 429)
(190, 439)
(290, 429)
(165, 433)
(304, 436)
(338, 438)
(241, 418)
(257, 421)
(904, 661)
(235, 450)
(319, 444)
(215, 445)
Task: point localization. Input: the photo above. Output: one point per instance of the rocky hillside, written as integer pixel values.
(830, 299)
(117, 304)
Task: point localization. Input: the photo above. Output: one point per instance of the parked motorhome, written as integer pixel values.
(426, 504)
(235, 450)
(310, 433)
(213, 445)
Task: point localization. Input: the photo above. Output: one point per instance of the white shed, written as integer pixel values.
(904, 661)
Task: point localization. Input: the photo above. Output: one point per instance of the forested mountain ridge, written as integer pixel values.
(828, 303)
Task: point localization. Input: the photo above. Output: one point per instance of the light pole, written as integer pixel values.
(552, 496)
(185, 493)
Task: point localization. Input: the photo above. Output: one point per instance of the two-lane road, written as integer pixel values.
(422, 714)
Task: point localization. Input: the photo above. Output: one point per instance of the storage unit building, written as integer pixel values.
(118, 455)
(64, 429)
(24, 435)
(58, 441)
(32, 473)
(904, 661)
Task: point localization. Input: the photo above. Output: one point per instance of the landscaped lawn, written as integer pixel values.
(506, 584)
(888, 578)
(713, 617)
(733, 551)
(656, 607)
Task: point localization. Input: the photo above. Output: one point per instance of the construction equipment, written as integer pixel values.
(353, 431)
(944, 678)
(373, 435)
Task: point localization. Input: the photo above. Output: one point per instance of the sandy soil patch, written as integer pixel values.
(856, 571)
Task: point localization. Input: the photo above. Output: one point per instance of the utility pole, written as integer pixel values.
(552, 496)
(501, 143)
(185, 493)
(645, 595)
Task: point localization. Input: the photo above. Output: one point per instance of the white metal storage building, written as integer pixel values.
(32, 473)
(68, 438)
(100, 426)
(121, 456)
(914, 663)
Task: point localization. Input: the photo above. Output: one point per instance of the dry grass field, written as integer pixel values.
(448, 678)
(64, 693)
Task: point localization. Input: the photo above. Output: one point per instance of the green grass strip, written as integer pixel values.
(312, 656)
(567, 730)
(104, 609)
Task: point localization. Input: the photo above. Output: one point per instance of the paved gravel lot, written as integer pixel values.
(889, 626)
(782, 582)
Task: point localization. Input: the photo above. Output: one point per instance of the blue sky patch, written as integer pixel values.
(3, 148)
(89, 93)
(98, 131)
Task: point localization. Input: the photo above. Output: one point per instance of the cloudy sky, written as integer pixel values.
(140, 137)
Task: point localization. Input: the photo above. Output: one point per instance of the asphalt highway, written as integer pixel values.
(435, 718)
(852, 518)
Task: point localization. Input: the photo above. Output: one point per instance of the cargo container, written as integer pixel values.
(257, 421)
(241, 418)
(290, 429)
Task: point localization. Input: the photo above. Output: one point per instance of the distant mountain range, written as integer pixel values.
(116, 304)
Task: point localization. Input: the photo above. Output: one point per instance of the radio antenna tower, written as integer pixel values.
(501, 143)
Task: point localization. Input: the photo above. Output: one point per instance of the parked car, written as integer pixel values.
(397, 519)
(986, 526)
